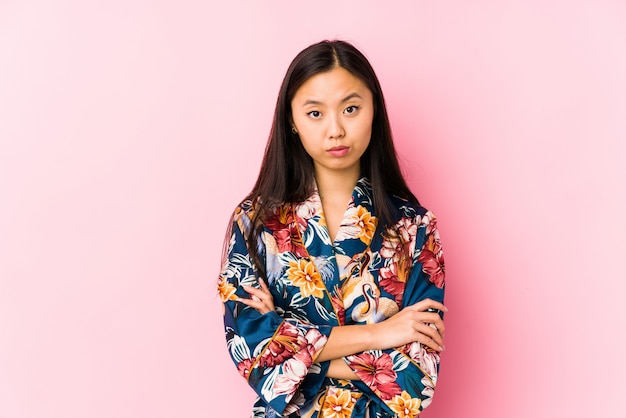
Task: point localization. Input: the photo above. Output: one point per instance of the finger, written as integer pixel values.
(429, 343)
(264, 286)
(435, 320)
(441, 328)
(434, 339)
(255, 304)
(426, 304)
(426, 317)
(259, 293)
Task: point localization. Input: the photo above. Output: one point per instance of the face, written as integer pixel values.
(333, 113)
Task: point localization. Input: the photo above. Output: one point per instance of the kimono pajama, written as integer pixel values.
(365, 276)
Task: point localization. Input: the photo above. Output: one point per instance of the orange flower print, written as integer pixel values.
(302, 273)
(404, 406)
(337, 300)
(359, 224)
(226, 290)
(338, 404)
(367, 223)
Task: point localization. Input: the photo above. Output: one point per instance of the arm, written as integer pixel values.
(274, 354)
(406, 375)
(409, 325)
(338, 369)
(413, 324)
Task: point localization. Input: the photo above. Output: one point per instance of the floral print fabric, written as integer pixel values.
(365, 276)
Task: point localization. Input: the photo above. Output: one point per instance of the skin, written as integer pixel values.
(333, 113)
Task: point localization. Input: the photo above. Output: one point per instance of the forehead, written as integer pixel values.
(331, 86)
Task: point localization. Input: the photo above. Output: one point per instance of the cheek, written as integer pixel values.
(307, 143)
(364, 132)
(365, 123)
(310, 136)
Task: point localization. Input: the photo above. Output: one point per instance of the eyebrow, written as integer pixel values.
(345, 99)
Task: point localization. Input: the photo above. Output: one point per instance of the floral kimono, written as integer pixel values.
(365, 276)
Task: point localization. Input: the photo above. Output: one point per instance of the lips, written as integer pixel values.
(338, 151)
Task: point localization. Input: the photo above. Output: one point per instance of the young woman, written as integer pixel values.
(333, 273)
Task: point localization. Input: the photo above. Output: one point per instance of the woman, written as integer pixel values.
(333, 275)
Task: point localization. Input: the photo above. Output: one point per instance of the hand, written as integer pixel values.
(260, 299)
(412, 324)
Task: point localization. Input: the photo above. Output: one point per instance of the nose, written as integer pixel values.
(335, 127)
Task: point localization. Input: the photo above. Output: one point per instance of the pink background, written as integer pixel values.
(130, 129)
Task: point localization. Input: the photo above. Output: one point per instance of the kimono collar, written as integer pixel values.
(358, 224)
(361, 195)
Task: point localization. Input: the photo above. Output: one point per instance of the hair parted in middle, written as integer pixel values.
(287, 172)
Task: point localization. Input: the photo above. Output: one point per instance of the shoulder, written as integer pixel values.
(251, 211)
(414, 216)
(243, 215)
(407, 209)
(245, 209)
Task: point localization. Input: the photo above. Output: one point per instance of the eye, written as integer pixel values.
(315, 114)
(351, 109)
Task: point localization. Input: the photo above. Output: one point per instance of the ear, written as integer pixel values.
(294, 130)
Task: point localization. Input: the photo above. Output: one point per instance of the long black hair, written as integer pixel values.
(286, 174)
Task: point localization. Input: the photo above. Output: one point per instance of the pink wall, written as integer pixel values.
(130, 129)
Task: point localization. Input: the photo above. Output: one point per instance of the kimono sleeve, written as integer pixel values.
(404, 378)
(275, 355)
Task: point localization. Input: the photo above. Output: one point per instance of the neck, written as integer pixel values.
(333, 184)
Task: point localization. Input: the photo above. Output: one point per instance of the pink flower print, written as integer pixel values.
(377, 373)
(407, 230)
(283, 346)
(284, 227)
(288, 343)
(399, 240)
(430, 221)
(294, 371)
(427, 358)
(244, 366)
(391, 283)
(431, 258)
